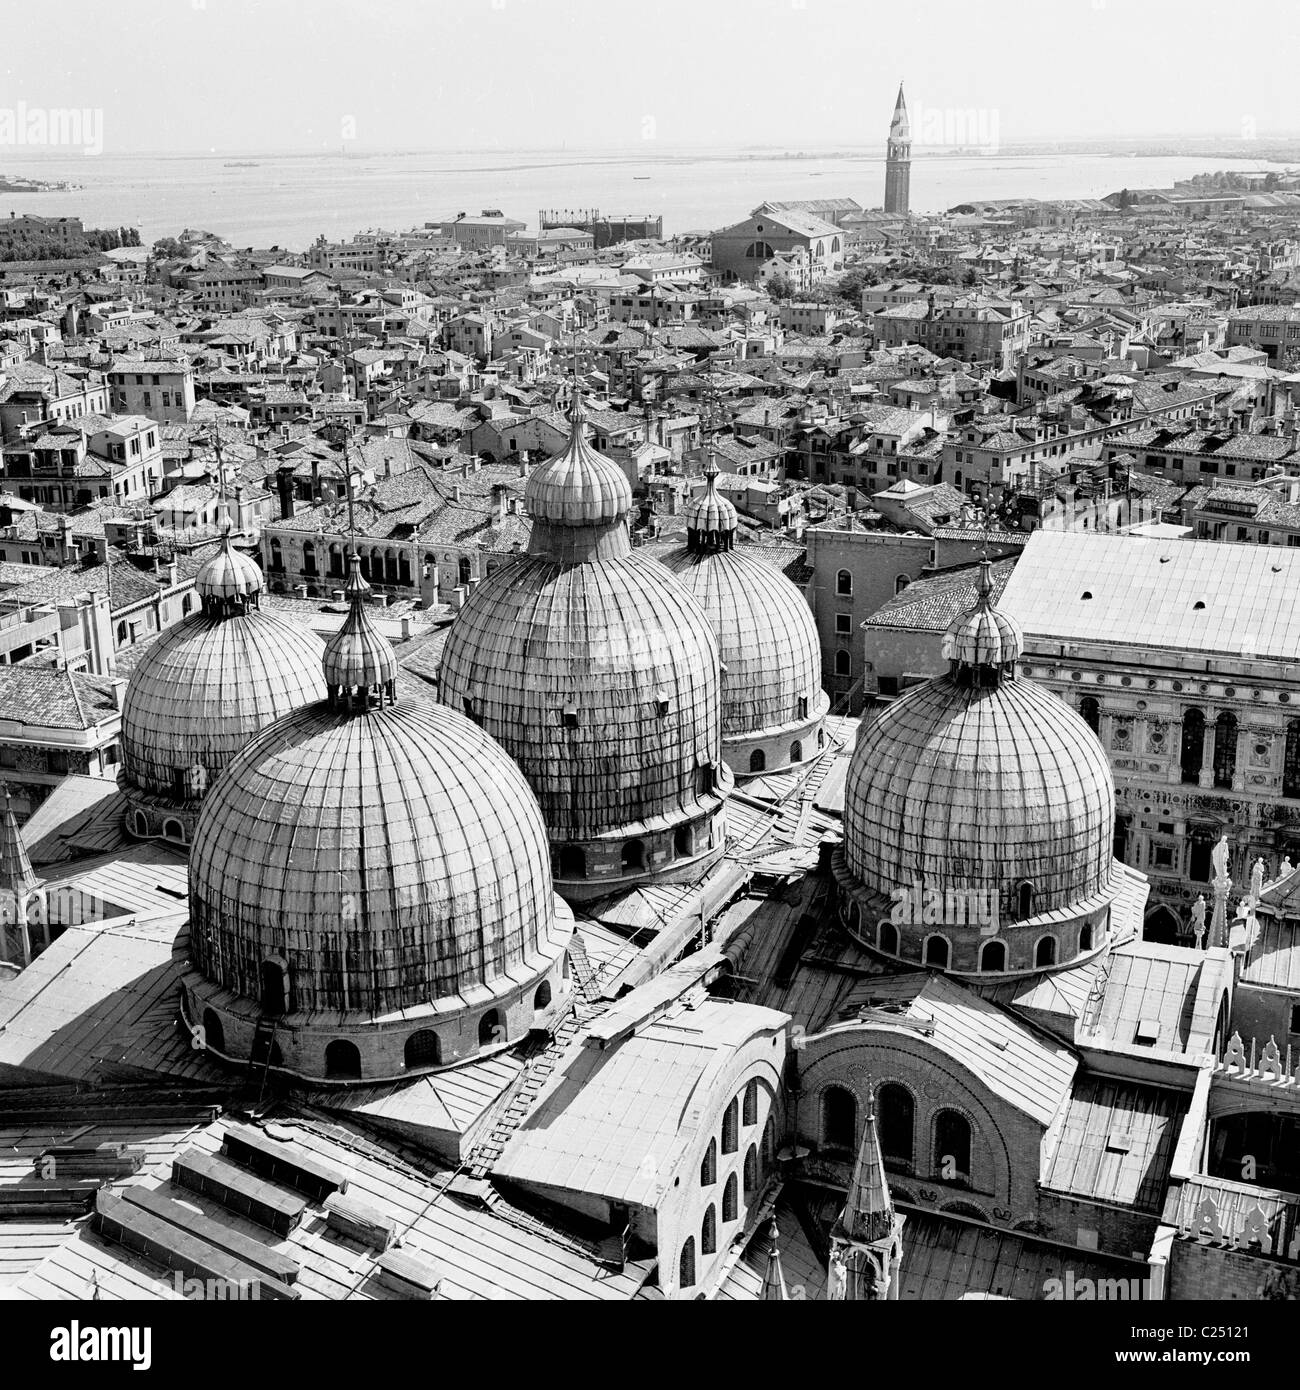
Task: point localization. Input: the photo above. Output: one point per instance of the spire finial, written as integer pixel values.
(774, 1290)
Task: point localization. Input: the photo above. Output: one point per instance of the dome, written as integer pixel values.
(982, 788)
(578, 487)
(984, 636)
(598, 673)
(229, 574)
(772, 701)
(357, 654)
(372, 872)
(401, 840)
(207, 686)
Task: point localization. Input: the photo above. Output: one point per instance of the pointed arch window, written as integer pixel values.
(750, 1171)
(730, 1203)
(709, 1231)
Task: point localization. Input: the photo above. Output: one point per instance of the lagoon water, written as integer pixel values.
(287, 200)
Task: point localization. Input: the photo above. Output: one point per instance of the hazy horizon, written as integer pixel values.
(291, 77)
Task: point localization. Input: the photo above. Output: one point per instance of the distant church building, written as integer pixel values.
(898, 160)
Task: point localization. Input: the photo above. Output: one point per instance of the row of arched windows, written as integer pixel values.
(937, 950)
(741, 1112)
(1191, 755)
(950, 1152)
(570, 861)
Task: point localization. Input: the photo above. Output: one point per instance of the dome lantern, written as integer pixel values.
(983, 644)
(229, 583)
(711, 520)
(360, 665)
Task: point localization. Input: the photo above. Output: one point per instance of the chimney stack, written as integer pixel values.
(284, 485)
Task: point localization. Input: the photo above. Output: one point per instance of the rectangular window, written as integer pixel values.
(843, 624)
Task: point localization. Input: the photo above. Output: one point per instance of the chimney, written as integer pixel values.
(499, 500)
(315, 480)
(455, 493)
(172, 577)
(284, 486)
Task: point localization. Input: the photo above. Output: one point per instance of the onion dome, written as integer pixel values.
(599, 673)
(203, 689)
(711, 520)
(578, 487)
(374, 872)
(979, 816)
(358, 657)
(773, 705)
(984, 636)
(229, 575)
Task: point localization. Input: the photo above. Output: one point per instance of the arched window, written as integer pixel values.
(709, 1165)
(422, 1049)
(758, 251)
(897, 1120)
(749, 1174)
(796, 752)
(844, 583)
(542, 996)
(709, 1232)
(684, 841)
(769, 1142)
(463, 570)
(274, 994)
(749, 1111)
(901, 581)
(121, 633)
(835, 246)
(839, 1119)
(633, 857)
(1024, 899)
(214, 1035)
(308, 558)
(730, 1204)
(993, 957)
(936, 952)
(187, 604)
(490, 1029)
(141, 822)
(1085, 937)
(951, 1146)
(1225, 749)
(572, 862)
(1193, 745)
(843, 664)
(729, 1117)
(1091, 711)
(887, 940)
(1291, 760)
(173, 829)
(1045, 952)
(757, 760)
(343, 1060)
(686, 1264)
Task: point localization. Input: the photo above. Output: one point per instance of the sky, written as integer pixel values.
(233, 76)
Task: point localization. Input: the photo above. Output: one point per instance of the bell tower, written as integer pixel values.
(898, 160)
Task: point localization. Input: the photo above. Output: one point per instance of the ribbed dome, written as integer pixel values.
(711, 513)
(766, 638)
(984, 636)
(229, 574)
(207, 686)
(358, 654)
(568, 667)
(392, 856)
(975, 787)
(578, 487)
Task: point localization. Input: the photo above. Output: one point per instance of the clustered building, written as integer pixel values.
(544, 765)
